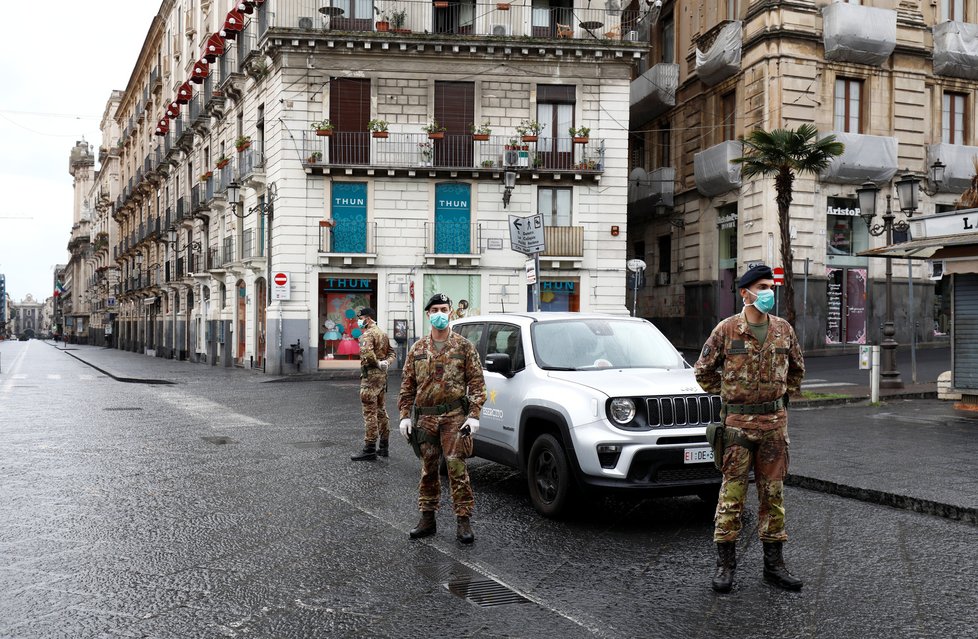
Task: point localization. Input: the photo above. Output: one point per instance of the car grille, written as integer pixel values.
(684, 410)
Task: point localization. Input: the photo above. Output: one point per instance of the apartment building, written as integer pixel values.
(895, 82)
(244, 230)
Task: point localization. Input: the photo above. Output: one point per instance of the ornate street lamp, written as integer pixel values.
(908, 192)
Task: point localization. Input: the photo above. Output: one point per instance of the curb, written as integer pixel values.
(903, 502)
(838, 401)
(126, 380)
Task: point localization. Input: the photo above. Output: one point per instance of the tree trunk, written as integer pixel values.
(783, 185)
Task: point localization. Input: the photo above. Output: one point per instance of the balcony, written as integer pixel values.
(720, 55)
(226, 176)
(957, 160)
(183, 212)
(714, 171)
(650, 189)
(179, 268)
(452, 243)
(854, 33)
(197, 198)
(231, 79)
(348, 243)
(227, 251)
(956, 49)
(493, 21)
(867, 157)
(251, 165)
(253, 249)
(564, 247)
(653, 93)
(214, 260)
(416, 152)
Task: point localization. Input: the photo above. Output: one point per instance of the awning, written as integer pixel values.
(246, 7)
(232, 24)
(184, 93)
(199, 72)
(959, 245)
(163, 127)
(214, 47)
(173, 110)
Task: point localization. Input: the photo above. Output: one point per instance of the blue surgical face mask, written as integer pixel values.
(439, 320)
(764, 302)
(361, 323)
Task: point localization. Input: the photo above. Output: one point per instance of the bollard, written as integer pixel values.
(874, 376)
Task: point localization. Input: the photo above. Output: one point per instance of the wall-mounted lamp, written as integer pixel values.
(509, 181)
(263, 207)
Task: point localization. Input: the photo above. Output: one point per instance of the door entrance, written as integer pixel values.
(260, 300)
(241, 322)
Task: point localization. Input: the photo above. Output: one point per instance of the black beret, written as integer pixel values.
(754, 273)
(366, 311)
(438, 298)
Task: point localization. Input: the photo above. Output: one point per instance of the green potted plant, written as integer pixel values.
(323, 127)
(314, 157)
(397, 19)
(378, 128)
(206, 176)
(529, 130)
(581, 134)
(242, 142)
(434, 130)
(481, 132)
(488, 164)
(223, 161)
(383, 21)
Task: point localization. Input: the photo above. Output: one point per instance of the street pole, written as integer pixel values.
(536, 285)
(634, 293)
(913, 324)
(804, 305)
(890, 376)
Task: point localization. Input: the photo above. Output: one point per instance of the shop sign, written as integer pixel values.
(728, 221)
(347, 284)
(843, 211)
(946, 224)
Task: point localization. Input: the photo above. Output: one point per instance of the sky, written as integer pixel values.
(58, 67)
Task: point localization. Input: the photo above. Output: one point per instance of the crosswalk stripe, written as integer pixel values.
(54, 376)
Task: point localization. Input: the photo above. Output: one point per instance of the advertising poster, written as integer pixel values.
(465, 291)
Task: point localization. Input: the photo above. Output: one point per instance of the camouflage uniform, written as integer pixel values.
(431, 378)
(743, 371)
(374, 348)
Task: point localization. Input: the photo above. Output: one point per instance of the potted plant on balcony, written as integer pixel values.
(378, 128)
(587, 165)
(581, 134)
(488, 164)
(383, 21)
(314, 157)
(398, 18)
(529, 130)
(223, 161)
(481, 132)
(324, 127)
(206, 176)
(242, 142)
(426, 151)
(434, 130)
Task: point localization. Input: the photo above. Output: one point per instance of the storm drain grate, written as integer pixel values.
(316, 444)
(220, 441)
(485, 593)
(123, 408)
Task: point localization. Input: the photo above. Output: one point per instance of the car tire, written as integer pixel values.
(548, 477)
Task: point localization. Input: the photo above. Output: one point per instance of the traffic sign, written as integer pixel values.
(531, 272)
(778, 276)
(526, 234)
(281, 289)
(635, 265)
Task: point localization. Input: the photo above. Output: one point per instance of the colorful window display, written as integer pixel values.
(340, 297)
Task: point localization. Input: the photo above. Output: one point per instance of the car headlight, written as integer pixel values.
(622, 410)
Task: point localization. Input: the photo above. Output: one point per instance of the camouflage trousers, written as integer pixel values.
(376, 424)
(455, 449)
(770, 463)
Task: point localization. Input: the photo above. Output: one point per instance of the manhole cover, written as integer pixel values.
(485, 593)
(123, 408)
(317, 444)
(220, 441)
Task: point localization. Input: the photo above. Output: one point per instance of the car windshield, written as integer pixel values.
(588, 344)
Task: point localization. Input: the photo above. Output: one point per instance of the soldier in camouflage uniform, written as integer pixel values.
(376, 356)
(753, 361)
(443, 389)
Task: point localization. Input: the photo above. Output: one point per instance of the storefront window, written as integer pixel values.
(557, 295)
(465, 291)
(846, 234)
(340, 297)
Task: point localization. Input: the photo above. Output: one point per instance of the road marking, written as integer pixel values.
(217, 416)
(54, 376)
(20, 376)
(593, 627)
(86, 378)
(8, 384)
(827, 384)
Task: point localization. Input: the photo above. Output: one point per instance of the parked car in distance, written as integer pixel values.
(593, 402)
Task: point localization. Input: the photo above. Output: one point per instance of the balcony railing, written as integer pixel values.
(226, 176)
(416, 150)
(179, 263)
(182, 210)
(252, 244)
(563, 241)
(348, 238)
(249, 160)
(453, 238)
(196, 199)
(713, 170)
(481, 19)
(866, 157)
(954, 49)
(227, 253)
(209, 189)
(213, 258)
(854, 33)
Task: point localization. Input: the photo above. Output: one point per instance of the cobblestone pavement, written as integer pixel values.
(225, 505)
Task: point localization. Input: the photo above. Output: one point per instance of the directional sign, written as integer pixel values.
(281, 289)
(526, 234)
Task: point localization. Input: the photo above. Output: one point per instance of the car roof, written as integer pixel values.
(529, 318)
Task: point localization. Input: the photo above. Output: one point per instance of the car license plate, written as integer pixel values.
(697, 455)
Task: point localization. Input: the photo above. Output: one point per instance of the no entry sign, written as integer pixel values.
(778, 276)
(281, 289)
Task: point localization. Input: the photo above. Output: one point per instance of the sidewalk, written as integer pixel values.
(911, 451)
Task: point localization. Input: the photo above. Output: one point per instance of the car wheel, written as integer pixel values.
(548, 476)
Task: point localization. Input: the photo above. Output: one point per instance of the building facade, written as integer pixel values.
(422, 110)
(25, 317)
(894, 82)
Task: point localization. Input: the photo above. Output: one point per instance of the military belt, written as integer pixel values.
(755, 409)
(441, 409)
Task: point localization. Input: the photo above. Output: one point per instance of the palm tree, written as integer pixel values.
(784, 153)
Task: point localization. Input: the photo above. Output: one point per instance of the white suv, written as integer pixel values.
(591, 401)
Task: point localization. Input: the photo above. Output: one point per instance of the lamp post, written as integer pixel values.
(908, 191)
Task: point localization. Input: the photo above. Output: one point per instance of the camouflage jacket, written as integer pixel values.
(431, 378)
(742, 371)
(374, 348)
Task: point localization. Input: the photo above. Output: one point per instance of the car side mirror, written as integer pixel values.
(499, 363)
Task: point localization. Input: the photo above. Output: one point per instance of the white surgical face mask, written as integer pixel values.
(361, 323)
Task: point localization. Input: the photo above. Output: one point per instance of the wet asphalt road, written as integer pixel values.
(226, 506)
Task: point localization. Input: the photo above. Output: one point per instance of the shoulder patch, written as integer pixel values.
(706, 351)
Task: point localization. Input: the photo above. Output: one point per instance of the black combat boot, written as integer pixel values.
(382, 448)
(426, 526)
(369, 453)
(774, 569)
(726, 565)
(464, 531)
